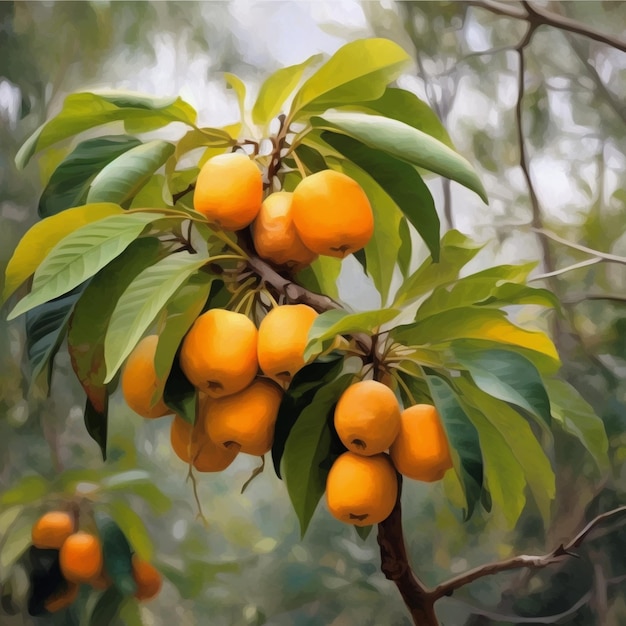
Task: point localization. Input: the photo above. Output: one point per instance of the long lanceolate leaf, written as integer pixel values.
(405, 143)
(81, 254)
(140, 303)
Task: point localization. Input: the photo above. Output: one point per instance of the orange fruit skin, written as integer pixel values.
(191, 443)
(332, 214)
(219, 353)
(367, 417)
(229, 190)
(421, 449)
(283, 336)
(80, 558)
(246, 418)
(275, 236)
(361, 490)
(62, 599)
(52, 529)
(139, 380)
(147, 577)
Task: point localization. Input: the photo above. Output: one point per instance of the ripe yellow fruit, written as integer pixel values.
(332, 214)
(81, 558)
(52, 529)
(139, 380)
(361, 490)
(229, 190)
(421, 449)
(246, 419)
(274, 234)
(367, 417)
(191, 443)
(283, 336)
(219, 353)
(61, 598)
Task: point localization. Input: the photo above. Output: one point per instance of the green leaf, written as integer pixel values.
(69, 184)
(321, 276)
(180, 313)
(400, 181)
(238, 86)
(35, 245)
(329, 324)
(359, 70)
(27, 490)
(202, 137)
(576, 417)
(406, 143)
(90, 320)
(276, 89)
(82, 111)
(81, 254)
(130, 613)
(456, 251)
(363, 531)
(507, 376)
(519, 440)
(308, 446)
(45, 330)
(131, 525)
(123, 177)
(140, 303)
(405, 252)
(117, 554)
(179, 394)
(139, 483)
(404, 106)
(97, 421)
(464, 441)
(300, 394)
(107, 607)
(151, 195)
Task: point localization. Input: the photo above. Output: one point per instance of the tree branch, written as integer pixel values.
(536, 562)
(606, 256)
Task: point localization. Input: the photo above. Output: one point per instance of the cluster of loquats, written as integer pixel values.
(63, 557)
(362, 485)
(328, 213)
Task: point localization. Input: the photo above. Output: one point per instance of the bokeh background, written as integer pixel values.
(249, 565)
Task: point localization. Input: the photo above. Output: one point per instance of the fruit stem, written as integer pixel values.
(299, 165)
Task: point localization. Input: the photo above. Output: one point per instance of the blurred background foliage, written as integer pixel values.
(249, 566)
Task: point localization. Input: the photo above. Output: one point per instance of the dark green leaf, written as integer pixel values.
(107, 607)
(306, 462)
(44, 577)
(311, 158)
(179, 394)
(400, 181)
(117, 554)
(363, 531)
(97, 421)
(69, 184)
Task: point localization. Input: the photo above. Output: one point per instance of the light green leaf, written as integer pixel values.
(321, 276)
(401, 182)
(133, 527)
(238, 86)
(29, 489)
(14, 544)
(276, 89)
(507, 376)
(82, 111)
(123, 177)
(456, 251)
(81, 254)
(140, 303)
(308, 446)
(405, 143)
(519, 440)
(201, 137)
(69, 184)
(151, 195)
(35, 245)
(329, 324)
(576, 417)
(359, 70)
(405, 252)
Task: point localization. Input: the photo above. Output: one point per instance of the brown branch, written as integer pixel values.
(540, 17)
(536, 562)
(177, 196)
(585, 297)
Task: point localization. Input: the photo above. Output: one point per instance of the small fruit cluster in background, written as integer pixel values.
(63, 557)
(362, 485)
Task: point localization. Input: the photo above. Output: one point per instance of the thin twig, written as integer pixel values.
(177, 196)
(607, 256)
(564, 270)
(257, 470)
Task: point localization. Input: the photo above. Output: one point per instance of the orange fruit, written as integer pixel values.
(283, 335)
(52, 529)
(61, 598)
(274, 234)
(80, 558)
(246, 418)
(191, 443)
(361, 490)
(219, 353)
(147, 577)
(229, 190)
(421, 449)
(139, 380)
(367, 417)
(332, 214)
